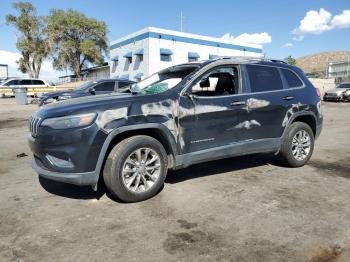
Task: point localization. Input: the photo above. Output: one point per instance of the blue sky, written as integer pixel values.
(215, 18)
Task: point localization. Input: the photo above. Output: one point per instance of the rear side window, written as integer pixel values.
(291, 78)
(264, 78)
(105, 86)
(37, 82)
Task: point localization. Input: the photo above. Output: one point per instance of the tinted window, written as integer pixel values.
(264, 78)
(105, 86)
(26, 82)
(344, 85)
(37, 82)
(291, 78)
(12, 83)
(123, 84)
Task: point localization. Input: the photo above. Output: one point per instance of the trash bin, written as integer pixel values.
(21, 95)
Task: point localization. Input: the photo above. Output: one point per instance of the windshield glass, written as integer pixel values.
(85, 86)
(163, 80)
(345, 85)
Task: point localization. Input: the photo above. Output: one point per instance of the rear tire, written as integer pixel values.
(136, 168)
(297, 145)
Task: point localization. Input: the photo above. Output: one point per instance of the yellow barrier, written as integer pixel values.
(33, 91)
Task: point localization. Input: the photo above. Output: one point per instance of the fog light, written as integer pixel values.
(58, 162)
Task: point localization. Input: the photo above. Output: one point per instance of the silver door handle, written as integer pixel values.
(238, 103)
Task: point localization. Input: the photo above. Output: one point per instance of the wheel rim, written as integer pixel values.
(301, 145)
(141, 170)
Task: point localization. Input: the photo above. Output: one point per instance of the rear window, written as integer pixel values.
(264, 78)
(291, 78)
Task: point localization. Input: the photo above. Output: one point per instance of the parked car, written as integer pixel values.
(22, 82)
(340, 93)
(15, 82)
(180, 116)
(103, 86)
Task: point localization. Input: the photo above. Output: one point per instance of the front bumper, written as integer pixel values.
(80, 179)
(81, 148)
(332, 98)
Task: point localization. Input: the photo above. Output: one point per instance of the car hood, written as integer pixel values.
(58, 93)
(336, 90)
(85, 104)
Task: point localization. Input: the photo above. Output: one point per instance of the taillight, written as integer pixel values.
(318, 92)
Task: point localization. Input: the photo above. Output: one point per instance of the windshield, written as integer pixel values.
(85, 85)
(163, 80)
(345, 85)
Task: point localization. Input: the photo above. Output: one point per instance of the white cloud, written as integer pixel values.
(10, 59)
(317, 22)
(287, 45)
(342, 20)
(257, 38)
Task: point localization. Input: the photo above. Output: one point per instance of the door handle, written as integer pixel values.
(238, 103)
(288, 98)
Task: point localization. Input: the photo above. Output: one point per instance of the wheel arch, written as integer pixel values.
(308, 118)
(157, 131)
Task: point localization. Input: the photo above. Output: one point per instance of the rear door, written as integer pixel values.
(266, 102)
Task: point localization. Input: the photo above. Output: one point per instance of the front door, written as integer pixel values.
(209, 112)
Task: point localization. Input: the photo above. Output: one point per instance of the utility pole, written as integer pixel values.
(347, 67)
(181, 22)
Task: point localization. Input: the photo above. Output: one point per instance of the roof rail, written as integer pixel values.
(252, 58)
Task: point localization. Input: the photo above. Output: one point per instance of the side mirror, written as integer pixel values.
(204, 82)
(92, 90)
(189, 95)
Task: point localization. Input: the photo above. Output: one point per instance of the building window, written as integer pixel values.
(165, 55)
(128, 57)
(193, 56)
(165, 58)
(139, 54)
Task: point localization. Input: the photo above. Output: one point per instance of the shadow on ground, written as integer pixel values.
(221, 166)
(200, 170)
(71, 191)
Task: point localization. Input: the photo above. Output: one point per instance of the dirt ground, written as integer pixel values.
(240, 209)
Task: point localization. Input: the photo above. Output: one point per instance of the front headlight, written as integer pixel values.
(69, 121)
(50, 100)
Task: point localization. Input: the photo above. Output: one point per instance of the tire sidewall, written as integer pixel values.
(287, 144)
(119, 157)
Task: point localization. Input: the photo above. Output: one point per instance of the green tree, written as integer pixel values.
(290, 60)
(76, 40)
(31, 41)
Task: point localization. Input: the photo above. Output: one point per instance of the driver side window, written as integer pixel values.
(217, 82)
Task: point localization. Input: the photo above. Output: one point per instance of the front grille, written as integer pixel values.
(34, 123)
(332, 94)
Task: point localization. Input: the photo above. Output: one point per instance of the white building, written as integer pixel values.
(339, 69)
(149, 50)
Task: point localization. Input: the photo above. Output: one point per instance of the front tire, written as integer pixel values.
(136, 168)
(297, 145)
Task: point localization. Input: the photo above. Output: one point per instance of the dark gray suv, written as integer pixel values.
(180, 116)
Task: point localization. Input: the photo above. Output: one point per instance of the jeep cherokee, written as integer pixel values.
(183, 115)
